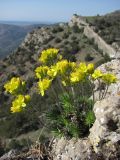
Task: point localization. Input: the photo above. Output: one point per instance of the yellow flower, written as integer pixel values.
(60, 57)
(109, 78)
(44, 85)
(27, 98)
(13, 85)
(52, 72)
(20, 103)
(77, 76)
(80, 73)
(90, 68)
(97, 74)
(65, 67)
(41, 72)
(64, 83)
(49, 55)
(82, 67)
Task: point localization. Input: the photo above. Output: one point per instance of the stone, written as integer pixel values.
(106, 127)
(74, 149)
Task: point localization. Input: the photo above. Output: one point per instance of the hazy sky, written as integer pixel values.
(53, 10)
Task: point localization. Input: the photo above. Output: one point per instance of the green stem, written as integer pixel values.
(99, 89)
(57, 99)
(73, 92)
(105, 92)
(61, 87)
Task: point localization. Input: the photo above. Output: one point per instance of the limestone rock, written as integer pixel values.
(106, 127)
(71, 149)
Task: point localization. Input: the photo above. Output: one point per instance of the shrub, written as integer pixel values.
(88, 57)
(96, 47)
(75, 48)
(91, 41)
(66, 42)
(76, 29)
(14, 144)
(73, 38)
(58, 40)
(57, 29)
(60, 29)
(106, 57)
(65, 35)
(2, 148)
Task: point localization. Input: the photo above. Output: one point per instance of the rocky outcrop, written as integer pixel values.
(79, 20)
(89, 32)
(106, 128)
(72, 149)
(36, 38)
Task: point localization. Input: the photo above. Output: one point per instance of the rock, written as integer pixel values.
(71, 149)
(79, 20)
(12, 153)
(106, 128)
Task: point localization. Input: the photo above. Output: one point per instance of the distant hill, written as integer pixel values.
(12, 35)
(108, 27)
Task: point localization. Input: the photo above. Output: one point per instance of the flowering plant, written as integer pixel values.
(73, 109)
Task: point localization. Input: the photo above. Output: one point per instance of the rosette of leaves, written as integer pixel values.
(71, 118)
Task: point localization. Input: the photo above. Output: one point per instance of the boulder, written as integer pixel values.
(106, 128)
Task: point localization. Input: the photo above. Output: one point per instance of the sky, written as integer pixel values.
(53, 10)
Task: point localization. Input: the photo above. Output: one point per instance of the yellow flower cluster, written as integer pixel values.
(69, 72)
(48, 56)
(109, 78)
(65, 67)
(44, 85)
(97, 74)
(20, 103)
(52, 72)
(81, 72)
(41, 72)
(13, 85)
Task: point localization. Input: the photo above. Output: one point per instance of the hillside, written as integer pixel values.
(11, 36)
(73, 45)
(108, 27)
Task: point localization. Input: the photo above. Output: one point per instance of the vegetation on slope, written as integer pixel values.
(108, 26)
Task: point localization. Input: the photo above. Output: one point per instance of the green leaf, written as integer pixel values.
(90, 118)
